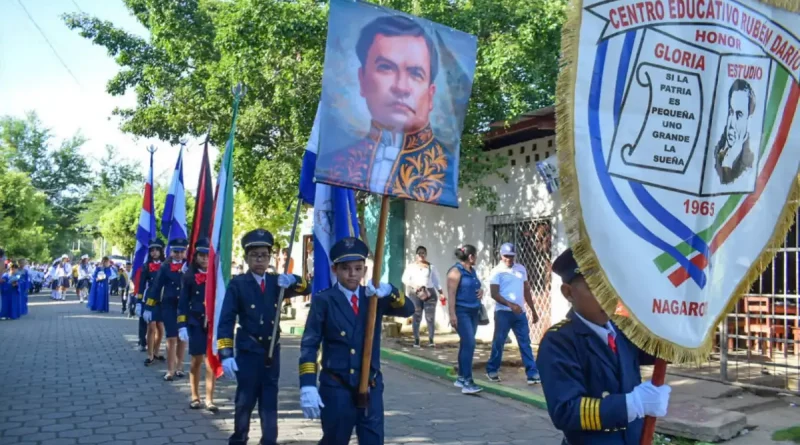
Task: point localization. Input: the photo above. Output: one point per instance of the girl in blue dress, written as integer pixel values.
(101, 289)
(11, 294)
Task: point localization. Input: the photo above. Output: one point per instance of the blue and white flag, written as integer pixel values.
(548, 170)
(146, 231)
(173, 220)
(335, 214)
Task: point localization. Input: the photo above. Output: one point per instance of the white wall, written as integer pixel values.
(441, 230)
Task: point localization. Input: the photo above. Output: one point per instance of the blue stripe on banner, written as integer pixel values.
(614, 199)
(322, 269)
(662, 215)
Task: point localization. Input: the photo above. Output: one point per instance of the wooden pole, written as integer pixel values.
(372, 311)
(649, 429)
(277, 321)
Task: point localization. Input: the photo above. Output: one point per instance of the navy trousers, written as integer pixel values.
(256, 383)
(340, 415)
(142, 332)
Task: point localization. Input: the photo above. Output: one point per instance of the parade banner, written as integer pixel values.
(395, 90)
(678, 160)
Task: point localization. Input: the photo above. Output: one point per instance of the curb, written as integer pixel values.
(449, 373)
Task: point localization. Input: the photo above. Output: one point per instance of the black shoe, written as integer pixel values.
(148, 362)
(161, 358)
(416, 344)
(142, 348)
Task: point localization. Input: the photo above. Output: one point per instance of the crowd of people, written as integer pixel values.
(604, 385)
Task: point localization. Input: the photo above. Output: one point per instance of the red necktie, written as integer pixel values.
(354, 303)
(154, 267)
(200, 278)
(612, 343)
(176, 267)
(263, 286)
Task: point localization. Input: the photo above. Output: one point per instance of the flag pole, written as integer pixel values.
(649, 429)
(372, 310)
(276, 322)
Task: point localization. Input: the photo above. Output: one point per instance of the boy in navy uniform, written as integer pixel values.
(161, 305)
(337, 320)
(253, 298)
(149, 333)
(590, 371)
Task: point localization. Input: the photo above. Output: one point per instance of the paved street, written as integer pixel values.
(70, 376)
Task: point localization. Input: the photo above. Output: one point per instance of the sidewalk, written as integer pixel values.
(699, 409)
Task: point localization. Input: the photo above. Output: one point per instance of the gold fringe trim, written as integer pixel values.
(579, 239)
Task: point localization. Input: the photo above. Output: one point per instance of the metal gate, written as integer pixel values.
(533, 239)
(759, 343)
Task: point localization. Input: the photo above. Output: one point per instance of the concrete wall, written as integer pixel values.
(525, 194)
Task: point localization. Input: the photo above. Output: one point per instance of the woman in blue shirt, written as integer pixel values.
(465, 293)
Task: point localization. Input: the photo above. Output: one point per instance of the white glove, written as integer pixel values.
(647, 400)
(383, 290)
(138, 309)
(147, 316)
(229, 368)
(183, 334)
(310, 402)
(286, 280)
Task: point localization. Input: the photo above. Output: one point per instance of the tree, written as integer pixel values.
(198, 49)
(118, 225)
(60, 172)
(22, 212)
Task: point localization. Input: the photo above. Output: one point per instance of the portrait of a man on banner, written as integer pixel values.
(395, 91)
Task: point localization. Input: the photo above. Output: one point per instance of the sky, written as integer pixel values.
(33, 79)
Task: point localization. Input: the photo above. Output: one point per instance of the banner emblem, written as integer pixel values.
(676, 119)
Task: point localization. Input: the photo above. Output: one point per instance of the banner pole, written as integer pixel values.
(276, 322)
(649, 429)
(362, 400)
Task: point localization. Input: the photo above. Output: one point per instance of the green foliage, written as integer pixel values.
(59, 172)
(247, 216)
(118, 225)
(788, 434)
(198, 49)
(22, 212)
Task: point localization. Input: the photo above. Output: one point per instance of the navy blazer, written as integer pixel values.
(192, 302)
(255, 311)
(585, 383)
(166, 287)
(146, 279)
(333, 323)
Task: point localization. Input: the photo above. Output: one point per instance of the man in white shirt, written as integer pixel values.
(509, 286)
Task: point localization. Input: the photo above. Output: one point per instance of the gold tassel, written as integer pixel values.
(578, 237)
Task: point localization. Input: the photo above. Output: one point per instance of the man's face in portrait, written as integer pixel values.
(736, 129)
(395, 80)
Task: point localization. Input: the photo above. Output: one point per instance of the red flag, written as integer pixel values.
(203, 205)
(201, 228)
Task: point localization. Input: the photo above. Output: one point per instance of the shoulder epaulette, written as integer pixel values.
(559, 325)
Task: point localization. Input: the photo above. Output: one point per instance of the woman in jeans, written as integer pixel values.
(422, 286)
(465, 293)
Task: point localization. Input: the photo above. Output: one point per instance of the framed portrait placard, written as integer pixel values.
(395, 91)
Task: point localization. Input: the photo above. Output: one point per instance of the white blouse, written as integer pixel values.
(418, 275)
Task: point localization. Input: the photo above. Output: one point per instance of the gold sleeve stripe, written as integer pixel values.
(308, 368)
(584, 425)
(181, 319)
(597, 424)
(301, 286)
(398, 300)
(223, 343)
(590, 414)
(150, 302)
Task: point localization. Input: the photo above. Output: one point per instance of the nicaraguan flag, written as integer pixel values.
(173, 220)
(146, 231)
(335, 214)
